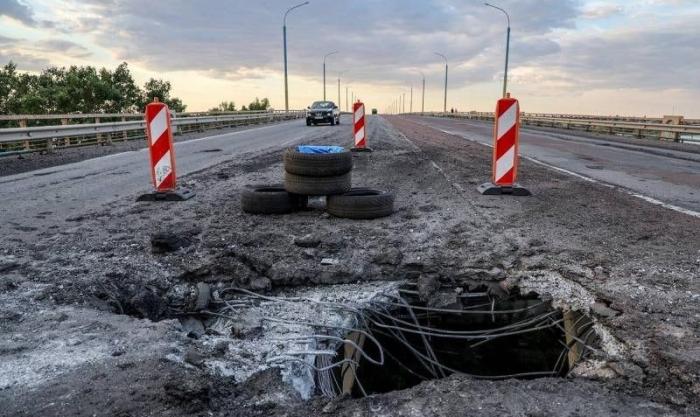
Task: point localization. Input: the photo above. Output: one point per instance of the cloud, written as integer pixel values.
(387, 42)
(34, 55)
(643, 57)
(17, 10)
(601, 11)
(67, 48)
(380, 41)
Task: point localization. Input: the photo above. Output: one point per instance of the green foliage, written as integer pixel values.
(258, 104)
(224, 106)
(79, 90)
(161, 89)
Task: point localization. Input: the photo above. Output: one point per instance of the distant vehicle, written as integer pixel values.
(374, 111)
(322, 112)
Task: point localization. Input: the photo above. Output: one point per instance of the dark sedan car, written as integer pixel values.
(322, 112)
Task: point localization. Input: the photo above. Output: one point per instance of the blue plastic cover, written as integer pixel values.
(319, 149)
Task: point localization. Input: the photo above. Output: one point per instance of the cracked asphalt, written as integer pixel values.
(92, 317)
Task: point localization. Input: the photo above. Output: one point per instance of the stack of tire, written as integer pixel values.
(313, 174)
(318, 174)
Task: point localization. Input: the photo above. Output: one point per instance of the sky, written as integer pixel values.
(616, 57)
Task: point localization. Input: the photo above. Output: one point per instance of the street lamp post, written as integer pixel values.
(340, 102)
(444, 106)
(284, 39)
(505, 73)
(324, 72)
(410, 109)
(422, 105)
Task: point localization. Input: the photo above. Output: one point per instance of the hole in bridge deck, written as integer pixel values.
(521, 336)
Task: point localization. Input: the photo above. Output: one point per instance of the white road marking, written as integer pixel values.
(646, 198)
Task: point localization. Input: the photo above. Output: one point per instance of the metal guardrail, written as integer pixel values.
(39, 138)
(98, 116)
(653, 128)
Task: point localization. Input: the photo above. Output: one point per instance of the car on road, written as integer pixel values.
(322, 112)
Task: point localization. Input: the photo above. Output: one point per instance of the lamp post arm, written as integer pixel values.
(502, 10)
(292, 8)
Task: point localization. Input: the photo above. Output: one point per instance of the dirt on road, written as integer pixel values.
(94, 312)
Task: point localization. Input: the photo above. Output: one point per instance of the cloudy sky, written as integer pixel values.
(638, 57)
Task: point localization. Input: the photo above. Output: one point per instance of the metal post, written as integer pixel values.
(339, 105)
(284, 39)
(286, 87)
(324, 72)
(346, 99)
(411, 108)
(444, 106)
(422, 105)
(505, 73)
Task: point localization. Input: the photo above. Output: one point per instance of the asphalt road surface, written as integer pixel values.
(33, 200)
(670, 176)
(37, 199)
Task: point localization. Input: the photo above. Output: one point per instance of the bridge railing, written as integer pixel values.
(43, 133)
(637, 127)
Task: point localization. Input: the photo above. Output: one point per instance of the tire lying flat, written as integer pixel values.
(269, 199)
(303, 185)
(361, 203)
(317, 164)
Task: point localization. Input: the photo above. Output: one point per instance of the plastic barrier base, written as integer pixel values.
(489, 188)
(181, 194)
(360, 149)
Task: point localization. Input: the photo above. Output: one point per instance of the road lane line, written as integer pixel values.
(646, 198)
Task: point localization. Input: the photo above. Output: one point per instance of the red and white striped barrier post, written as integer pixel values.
(360, 133)
(159, 134)
(506, 135)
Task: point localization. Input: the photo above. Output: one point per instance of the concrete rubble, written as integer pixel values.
(111, 314)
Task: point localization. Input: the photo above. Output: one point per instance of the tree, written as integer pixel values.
(258, 104)
(161, 89)
(224, 106)
(124, 94)
(79, 90)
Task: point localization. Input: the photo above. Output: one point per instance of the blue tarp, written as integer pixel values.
(319, 149)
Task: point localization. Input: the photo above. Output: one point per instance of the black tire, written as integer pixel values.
(361, 203)
(269, 199)
(299, 184)
(338, 121)
(317, 164)
(332, 121)
(308, 122)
